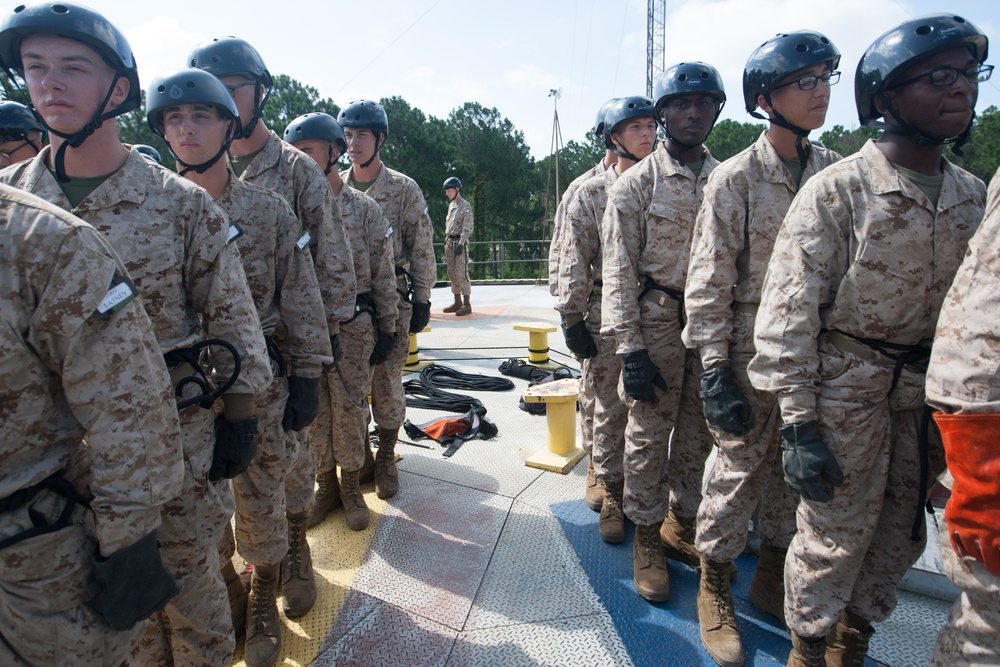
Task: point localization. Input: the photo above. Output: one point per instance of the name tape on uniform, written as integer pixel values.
(235, 231)
(303, 241)
(121, 292)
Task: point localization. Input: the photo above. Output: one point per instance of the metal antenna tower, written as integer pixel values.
(656, 28)
(551, 195)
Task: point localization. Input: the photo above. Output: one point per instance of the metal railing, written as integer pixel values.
(522, 260)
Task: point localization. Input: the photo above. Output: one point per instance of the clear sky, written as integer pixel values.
(438, 54)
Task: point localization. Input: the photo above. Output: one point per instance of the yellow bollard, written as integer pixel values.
(413, 361)
(538, 342)
(560, 453)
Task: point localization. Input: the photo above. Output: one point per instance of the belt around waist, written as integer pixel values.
(847, 344)
(661, 298)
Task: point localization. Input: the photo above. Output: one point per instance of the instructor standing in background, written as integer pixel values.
(457, 230)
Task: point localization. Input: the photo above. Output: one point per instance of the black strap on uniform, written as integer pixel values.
(40, 525)
(406, 295)
(676, 295)
(363, 303)
(192, 355)
(923, 451)
(917, 357)
(275, 355)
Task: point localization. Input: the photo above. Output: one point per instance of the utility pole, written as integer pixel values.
(551, 195)
(656, 28)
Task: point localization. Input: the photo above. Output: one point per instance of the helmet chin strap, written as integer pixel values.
(780, 121)
(258, 111)
(378, 145)
(622, 151)
(904, 128)
(76, 139)
(204, 166)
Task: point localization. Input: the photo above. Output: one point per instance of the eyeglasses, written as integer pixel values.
(810, 82)
(682, 104)
(6, 156)
(232, 89)
(946, 75)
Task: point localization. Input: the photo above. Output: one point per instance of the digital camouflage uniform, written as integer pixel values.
(66, 373)
(602, 413)
(864, 252)
(173, 240)
(457, 231)
(559, 226)
(287, 171)
(340, 432)
(285, 291)
(963, 377)
(745, 201)
(404, 207)
(646, 233)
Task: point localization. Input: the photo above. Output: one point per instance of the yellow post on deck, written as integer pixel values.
(560, 453)
(538, 342)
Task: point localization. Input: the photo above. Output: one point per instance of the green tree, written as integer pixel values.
(577, 158)
(729, 137)
(133, 129)
(847, 142)
(289, 99)
(982, 153)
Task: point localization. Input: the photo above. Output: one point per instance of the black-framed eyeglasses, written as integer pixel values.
(810, 82)
(6, 155)
(947, 75)
(232, 89)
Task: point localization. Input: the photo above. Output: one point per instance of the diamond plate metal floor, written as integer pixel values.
(480, 560)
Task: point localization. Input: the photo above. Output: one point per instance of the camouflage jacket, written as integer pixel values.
(280, 274)
(371, 245)
(646, 234)
(404, 207)
(559, 225)
(459, 220)
(964, 374)
(863, 251)
(76, 362)
(745, 200)
(284, 169)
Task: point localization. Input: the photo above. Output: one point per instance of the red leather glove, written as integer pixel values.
(972, 450)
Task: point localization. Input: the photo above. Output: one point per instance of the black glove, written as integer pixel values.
(131, 584)
(459, 249)
(579, 341)
(338, 351)
(640, 375)
(421, 316)
(810, 467)
(725, 406)
(235, 446)
(383, 346)
(303, 403)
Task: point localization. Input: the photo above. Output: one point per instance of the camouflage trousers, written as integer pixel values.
(340, 432)
(690, 444)
(388, 400)
(972, 635)
(261, 526)
(649, 425)
(195, 628)
(43, 584)
(608, 416)
(458, 269)
(746, 473)
(300, 481)
(853, 551)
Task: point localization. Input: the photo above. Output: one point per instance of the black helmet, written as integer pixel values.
(187, 86)
(16, 121)
(366, 115)
(86, 26)
(635, 106)
(231, 56)
(318, 125)
(898, 48)
(191, 86)
(452, 182)
(148, 152)
(74, 22)
(689, 78)
(599, 123)
(781, 55)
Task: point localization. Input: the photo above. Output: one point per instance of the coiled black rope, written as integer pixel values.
(437, 375)
(421, 395)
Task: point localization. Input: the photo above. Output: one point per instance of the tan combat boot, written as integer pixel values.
(465, 309)
(237, 597)
(807, 652)
(327, 497)
(386, 476)
(298, 582)
(767, 588)
(455, 306)
(356, 511)
(848, 643)
(678, 542)
(595, 492)
(612, 521)
(367, 473)
(649, 572)
(263, 622)
(717, 617)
